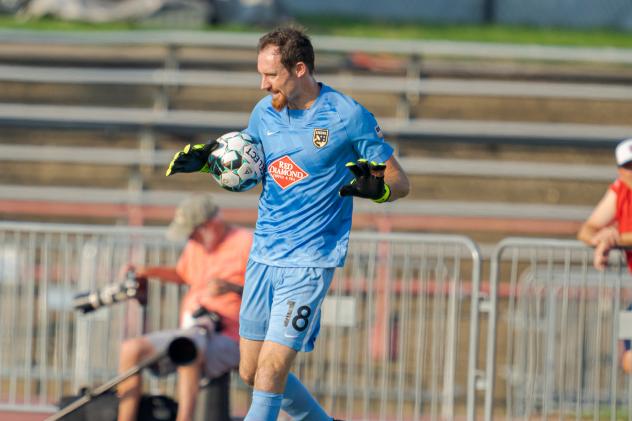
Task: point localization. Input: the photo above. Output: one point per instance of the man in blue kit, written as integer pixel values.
(321, 148)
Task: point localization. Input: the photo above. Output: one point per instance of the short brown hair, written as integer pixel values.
(293, 45)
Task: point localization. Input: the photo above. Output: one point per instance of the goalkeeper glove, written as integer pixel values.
(192, 158)
(368, 182)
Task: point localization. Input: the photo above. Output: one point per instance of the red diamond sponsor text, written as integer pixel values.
(285, 172)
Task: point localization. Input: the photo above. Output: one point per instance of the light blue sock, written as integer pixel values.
(300, 404)
(265, 406)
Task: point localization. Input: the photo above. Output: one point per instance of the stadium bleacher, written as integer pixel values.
(510, 174)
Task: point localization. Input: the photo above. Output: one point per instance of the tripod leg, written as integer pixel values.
(98, 391)
(214, 400)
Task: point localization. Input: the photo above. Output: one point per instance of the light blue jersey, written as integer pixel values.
(303, 221)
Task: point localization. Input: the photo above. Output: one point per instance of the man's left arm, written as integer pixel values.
(217, 287)
(397, 180)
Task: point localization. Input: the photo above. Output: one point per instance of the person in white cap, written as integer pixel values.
(213, 265)
(610, 224)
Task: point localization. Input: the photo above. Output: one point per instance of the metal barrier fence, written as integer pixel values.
(398, 321)
(554, 347)
(395, 343)
(46, 349)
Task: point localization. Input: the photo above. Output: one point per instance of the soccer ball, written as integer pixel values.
(237, 163)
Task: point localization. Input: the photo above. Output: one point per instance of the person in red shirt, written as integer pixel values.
(610, 224)
(213, 265)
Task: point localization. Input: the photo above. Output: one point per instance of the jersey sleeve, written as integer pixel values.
(254, 124)
(367, 137)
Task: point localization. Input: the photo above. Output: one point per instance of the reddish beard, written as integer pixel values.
(279, 101)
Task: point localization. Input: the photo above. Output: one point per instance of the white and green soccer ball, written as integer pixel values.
(237, 164)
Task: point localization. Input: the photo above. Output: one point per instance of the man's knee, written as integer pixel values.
(133, 351)
(267, 372)
(273, 365)
(247, 375)
(270, 374)
(248, 356)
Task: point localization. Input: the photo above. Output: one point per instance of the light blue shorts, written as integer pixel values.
(282, 304)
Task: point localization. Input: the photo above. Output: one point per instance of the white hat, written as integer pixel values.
(624, 152)
(192, 211)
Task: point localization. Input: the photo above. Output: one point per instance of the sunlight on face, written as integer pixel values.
(275, 78)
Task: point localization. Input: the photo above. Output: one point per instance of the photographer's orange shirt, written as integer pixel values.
(623, 212)
(226, 262)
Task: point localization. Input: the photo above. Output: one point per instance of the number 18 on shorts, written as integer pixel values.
(283, 304)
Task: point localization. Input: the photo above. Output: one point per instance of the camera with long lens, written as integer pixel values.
(131, 288)
(215, 318)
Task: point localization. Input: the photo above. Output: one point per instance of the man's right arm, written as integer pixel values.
(599, 226)
(164, 273)
(600, 231)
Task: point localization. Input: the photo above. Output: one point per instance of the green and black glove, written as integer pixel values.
(368, 182)
(193, 158)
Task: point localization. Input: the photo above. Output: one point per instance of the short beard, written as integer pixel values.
(279, 101)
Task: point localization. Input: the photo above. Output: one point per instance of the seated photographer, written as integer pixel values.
(213, 264)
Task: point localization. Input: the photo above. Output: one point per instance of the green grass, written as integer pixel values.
(484, 33)
(9, 22)
(390, 30)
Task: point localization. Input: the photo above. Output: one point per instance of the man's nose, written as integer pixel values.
(265, 84)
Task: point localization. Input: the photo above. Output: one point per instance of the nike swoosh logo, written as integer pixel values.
(270, 133)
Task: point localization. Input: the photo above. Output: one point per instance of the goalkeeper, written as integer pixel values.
(321, 148)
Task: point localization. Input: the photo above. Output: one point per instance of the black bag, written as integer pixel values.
(105, 408)
(157, 408)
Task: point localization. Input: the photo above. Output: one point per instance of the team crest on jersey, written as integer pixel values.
(321, 137)
(378, 132)
(285, 172)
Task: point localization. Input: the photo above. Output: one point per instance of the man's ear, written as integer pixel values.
(300, 69)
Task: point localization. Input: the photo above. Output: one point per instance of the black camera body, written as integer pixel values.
(213, 317)
(87, 302)
(105, 408)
